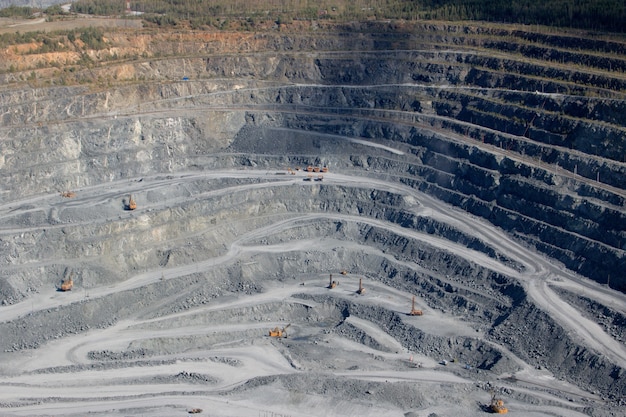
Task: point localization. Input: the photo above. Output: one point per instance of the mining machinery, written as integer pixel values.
(361, 290)
(132, 205)
(497, 405)
(67, 284)
(278, 332)
(332, 284)
(414, 311)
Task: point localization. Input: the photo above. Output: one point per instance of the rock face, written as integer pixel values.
(526, 153)
(536, 149)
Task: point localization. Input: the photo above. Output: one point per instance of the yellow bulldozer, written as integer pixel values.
(278, 332)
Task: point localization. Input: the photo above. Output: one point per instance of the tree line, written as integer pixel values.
(601, 15)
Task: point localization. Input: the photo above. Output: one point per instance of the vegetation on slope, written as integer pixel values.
(602, 15)
(606, 15)
(91, 38)
(15, 11)
(586, 14)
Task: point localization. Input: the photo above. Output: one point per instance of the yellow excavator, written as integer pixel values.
(278, 332)
(67, 283)
(497, 405)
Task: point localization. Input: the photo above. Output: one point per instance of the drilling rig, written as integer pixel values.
(132, 205)
(332, 284)
(414, 311)
(361, 289)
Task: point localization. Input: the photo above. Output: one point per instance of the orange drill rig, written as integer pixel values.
(132, 205)
(361, 289)
(332, 284)
(414, 311)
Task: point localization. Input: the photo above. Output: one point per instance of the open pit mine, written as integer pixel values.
(368, 219)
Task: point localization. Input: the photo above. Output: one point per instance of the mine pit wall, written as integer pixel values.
(613, 321)
(561, 355)
(517, 317)
(447, 282)
(558, 354)
(569, 220)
